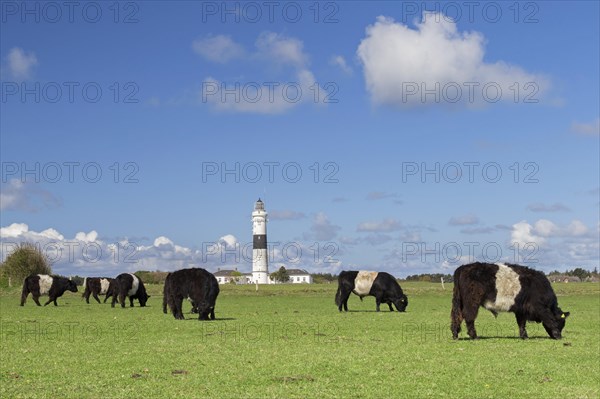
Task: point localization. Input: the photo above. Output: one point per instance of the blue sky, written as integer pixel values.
(341, 107)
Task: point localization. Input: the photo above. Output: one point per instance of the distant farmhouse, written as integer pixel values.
(228, 276)
(233, 277)
(298, 276)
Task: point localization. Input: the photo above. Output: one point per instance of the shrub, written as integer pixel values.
(26, 259)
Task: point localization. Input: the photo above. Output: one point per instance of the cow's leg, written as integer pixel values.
(114, 301)
(344, 295)
(390, 305)
(95, 297)
(24, 294)
(178, 301)
(377, 302)
(55, 304)
(212, 313)
(470, 314)
(521, 321)
(122, 299)
(36, 299)
(456, 318)
(130, 301)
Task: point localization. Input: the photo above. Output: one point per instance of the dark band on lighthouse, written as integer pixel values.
(259, 241)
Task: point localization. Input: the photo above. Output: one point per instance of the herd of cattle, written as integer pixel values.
(497, 287)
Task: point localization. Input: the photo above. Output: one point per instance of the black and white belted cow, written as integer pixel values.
(44, 284)
(97, 286)
(383, 286)
(505, 288)
(129, 285)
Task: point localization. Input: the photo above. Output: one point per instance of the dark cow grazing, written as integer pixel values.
(97, 286)
(43, 284)
(199, 285)
(505, 288)
(383, 286)
(129, 285)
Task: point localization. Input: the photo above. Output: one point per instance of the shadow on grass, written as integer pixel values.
(370, 311)
(209, 321)
(501, 337)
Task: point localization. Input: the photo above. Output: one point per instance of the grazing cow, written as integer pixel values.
(383, 286)
(43, 284)
(97, 286)
(505, 288)
(130, 285)
(200, 286)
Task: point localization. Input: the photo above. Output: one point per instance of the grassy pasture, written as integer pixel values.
(290, 342)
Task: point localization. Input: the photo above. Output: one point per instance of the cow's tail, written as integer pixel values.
(338, 296)
(456, 316)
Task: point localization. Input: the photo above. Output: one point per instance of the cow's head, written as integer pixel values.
(143, 298)
(71, 286)
(401, 303)
(555, 326)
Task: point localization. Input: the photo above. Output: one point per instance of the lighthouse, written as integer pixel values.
(260, 261)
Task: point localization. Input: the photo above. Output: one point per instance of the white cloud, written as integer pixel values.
(545, 228)
(281, 49)
(477, 230)
(92, 236)
(576, 228)
(386, 225)
(587, 129)
(14, 230)
(378, 195)
(159, 241)
(523, 234)
(322, 229)
(286, 215)
(463, 220)
(540, 207)
(271, 95)
(397, 59)
(86, 255)
(21, 63)
(220, 48)
(229, 240)
(340, 62)
(28, 197)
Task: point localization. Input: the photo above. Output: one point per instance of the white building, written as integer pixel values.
(297, 276)
(226, 276)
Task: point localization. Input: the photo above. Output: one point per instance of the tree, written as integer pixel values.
(323, 278)
(235, 277)
(280, 276)
(26, 259)
(581, 273)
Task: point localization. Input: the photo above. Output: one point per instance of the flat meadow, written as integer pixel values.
(289, 341)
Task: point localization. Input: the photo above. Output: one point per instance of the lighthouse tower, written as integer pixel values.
(260, 261)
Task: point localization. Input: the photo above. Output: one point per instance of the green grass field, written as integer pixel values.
(291, 342)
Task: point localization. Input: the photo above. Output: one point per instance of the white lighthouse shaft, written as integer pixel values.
(260, 260)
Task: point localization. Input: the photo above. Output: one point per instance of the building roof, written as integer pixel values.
(228, 273)
(296, 272)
